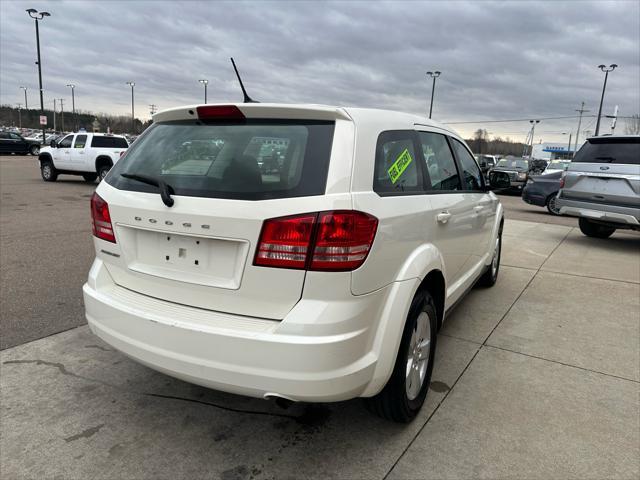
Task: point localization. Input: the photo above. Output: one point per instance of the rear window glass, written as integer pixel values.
(109, 142)
(610, 150)
(249, 160)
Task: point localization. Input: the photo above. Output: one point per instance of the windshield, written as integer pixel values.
(249, 160)
(517, 163)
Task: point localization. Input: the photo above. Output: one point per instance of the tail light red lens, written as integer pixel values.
(219, 112)
(101, 219)
(329, 241)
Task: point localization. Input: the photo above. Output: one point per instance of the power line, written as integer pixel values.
(514, 120)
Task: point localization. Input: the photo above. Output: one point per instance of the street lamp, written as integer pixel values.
(433, 75)
(133, 118)
(73, 106)
(569, 146)
(606, 71)
(205, 83)
(37, 16)
(26, 105)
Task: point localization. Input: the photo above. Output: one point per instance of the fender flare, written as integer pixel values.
(46, 156)
(421, 262)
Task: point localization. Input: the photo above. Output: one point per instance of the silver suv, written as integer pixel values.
(602, 185)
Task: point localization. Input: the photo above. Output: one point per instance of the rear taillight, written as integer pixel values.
(101, 219)
(329, 241)
(564, 174)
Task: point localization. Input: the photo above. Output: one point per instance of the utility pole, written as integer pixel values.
(73, 106)
(533, 129)
(569, 146)
(19, 116)
(606, 71)
(62, 113)
(26, 104)
(54, 118)
(38, 16)
(433, 75)
(133, 117)
(153, 108)
(582, 110)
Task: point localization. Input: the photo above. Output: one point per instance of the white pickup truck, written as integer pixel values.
(88, 154)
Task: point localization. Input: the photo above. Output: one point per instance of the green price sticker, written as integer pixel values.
(399, 166)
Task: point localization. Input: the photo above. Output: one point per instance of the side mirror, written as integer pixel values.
(499, 181)
(53, 144)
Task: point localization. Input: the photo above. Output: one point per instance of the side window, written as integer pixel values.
(66, 142)
(81, 141)
(471, 175)
(396, 167)
(4, 135)
(15, 136)
(439, 162)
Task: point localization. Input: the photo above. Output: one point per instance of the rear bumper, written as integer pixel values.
(318, 352)
(623, 216)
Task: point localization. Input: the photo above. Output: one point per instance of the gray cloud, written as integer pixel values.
(499, 59)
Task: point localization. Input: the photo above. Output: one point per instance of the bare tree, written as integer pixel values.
(632, 125)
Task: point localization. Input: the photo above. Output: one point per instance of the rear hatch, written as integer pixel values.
(226, 174)
(605, 170)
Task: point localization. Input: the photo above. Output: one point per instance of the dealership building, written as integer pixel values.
(551, 151)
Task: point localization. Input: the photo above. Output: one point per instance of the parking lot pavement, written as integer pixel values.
(534, 378)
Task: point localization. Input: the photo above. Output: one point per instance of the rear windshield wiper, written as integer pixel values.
(166, 190)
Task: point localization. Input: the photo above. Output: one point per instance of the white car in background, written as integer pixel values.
(324, 279)
(88, 154)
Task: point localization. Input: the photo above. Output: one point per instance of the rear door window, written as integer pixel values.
(396, 164)
(249, 160)
(100, 141)
(440, 165)
(471, 175)
(610, 150)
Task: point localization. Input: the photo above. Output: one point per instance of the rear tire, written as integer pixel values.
(404, 394)
(552, 207)
(34, 150)
(48, 171)
(490, 277)
(102, 171)
(592, 229)
(89, 177)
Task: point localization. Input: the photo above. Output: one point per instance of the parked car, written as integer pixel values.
(542, 190)
(602, 185)
(11, 142)
(88, 154)
(516, 168)
(556, 166)
(326, 281)
(486, 162)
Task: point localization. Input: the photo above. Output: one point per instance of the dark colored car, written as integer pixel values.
(13, 143)
(542, 190)
(516, 168)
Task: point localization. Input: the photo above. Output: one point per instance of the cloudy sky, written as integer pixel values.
(500, 60)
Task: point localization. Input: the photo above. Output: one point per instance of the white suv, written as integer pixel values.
(321, 278)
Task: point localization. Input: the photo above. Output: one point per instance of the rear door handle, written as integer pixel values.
(443, 217)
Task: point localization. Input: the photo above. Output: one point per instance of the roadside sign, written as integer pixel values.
(43, 119)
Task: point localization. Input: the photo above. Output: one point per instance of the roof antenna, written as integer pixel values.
(247, 98)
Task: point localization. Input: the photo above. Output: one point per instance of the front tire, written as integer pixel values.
(404, 394)
(593, 229)
(552, 206)
(34, 150)
(48, 171)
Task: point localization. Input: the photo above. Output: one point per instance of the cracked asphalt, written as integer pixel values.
(538, 377)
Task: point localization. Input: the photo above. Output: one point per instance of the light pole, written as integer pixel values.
(133, 118)
(533, 129)
(433, 75)
(19, 116)
(73, 106)
(62, 113)
(568, 146)
(606, 71)
(37, 16)
(26, 105)
(205, 83)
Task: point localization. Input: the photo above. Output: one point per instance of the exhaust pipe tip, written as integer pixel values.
(282, 401)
